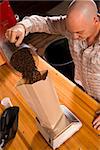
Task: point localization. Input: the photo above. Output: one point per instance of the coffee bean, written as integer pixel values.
(23, 61)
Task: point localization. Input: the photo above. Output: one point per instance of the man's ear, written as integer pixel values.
(96, 20)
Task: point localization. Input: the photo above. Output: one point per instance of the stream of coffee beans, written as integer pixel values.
(23, 61)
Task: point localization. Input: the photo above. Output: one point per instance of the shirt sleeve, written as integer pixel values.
(51, 25)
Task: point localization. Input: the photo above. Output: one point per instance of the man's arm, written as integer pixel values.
(34, 23)
(52, 25)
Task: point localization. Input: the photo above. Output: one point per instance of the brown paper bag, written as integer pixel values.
(43, 99)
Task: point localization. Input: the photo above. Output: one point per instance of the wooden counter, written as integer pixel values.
(2, 61)
(28, 137)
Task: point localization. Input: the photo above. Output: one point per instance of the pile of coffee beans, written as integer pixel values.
(23, 61)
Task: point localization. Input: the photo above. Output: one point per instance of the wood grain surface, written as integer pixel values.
(28, 137)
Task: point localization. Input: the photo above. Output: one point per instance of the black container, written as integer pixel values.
(58, 55)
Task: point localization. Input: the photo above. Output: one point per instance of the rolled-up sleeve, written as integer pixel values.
(51, 25)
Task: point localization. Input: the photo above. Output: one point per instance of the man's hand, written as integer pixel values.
(16, 34)
(96, 123)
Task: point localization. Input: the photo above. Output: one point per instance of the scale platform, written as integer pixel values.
(72, 126)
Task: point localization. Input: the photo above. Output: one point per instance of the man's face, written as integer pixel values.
(80, 29)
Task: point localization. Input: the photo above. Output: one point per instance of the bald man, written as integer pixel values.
(81, 26)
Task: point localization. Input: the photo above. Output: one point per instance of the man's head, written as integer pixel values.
(82, 20)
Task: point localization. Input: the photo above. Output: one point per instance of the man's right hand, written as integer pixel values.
(16, 34)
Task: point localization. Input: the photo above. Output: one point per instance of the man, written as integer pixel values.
(81, 26)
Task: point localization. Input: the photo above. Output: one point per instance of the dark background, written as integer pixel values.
(39, 7)
(27, 8)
